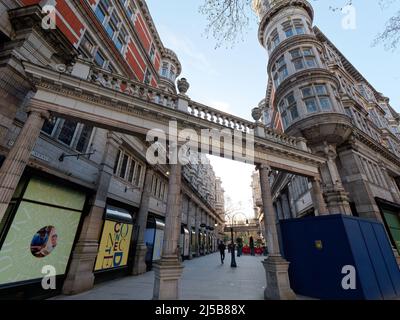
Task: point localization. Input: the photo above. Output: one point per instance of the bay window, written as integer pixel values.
(295, 27)
(164, 70)
(280, 71)
(288, 110)
(316, 98)
(303, 58)
(274, 40)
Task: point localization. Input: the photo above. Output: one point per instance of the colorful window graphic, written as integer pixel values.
(114, 245)
(42, 232)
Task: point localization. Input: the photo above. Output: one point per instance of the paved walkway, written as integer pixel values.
(203, 278)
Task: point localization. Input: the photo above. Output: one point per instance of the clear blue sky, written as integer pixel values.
(234, 79)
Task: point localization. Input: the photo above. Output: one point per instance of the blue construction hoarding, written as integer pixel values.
(320, 248)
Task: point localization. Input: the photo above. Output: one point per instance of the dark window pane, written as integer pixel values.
(290, 99)
(311, 105)
(295, 53)
(117, 161)
(320, 89)
(48, 126)
(67, 131)
(131, 170)
(325, 103)
(289, 32)
(99, 59)
(307, 92)
(84, 138)
(300, 30)
(294, 113)
(298, 64)
(310, 62)
(123, 166)
(138, 174)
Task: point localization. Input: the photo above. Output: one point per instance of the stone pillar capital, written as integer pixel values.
(38, 107)
(263, 166)
(316, 179)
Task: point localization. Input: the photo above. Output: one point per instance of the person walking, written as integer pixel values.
(221, 248)
(252, 246)
(239, 246)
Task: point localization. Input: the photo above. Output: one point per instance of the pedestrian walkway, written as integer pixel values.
(204, 278)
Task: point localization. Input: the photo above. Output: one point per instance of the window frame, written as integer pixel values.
(317, 97)
(135, 180)
(303, 55)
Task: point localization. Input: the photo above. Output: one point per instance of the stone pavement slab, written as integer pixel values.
(204, 278)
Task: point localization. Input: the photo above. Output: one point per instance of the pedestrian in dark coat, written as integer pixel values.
(252, 246)
(221, 248)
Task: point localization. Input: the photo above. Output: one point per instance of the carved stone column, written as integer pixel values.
(18, 157)
(276, 267)
(80, 275)
(337, 199)
(190, 223)
(139, 265)
(286, 206)
(318, 198)
(279, 208)
(169, 269)
(198, 222)
(357, 183)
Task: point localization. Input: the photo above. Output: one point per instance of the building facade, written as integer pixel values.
(88, 194)
(315, 93)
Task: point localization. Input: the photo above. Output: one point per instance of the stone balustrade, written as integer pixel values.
(220, 117)
(160, 97)
(133, 88)
(271, 134)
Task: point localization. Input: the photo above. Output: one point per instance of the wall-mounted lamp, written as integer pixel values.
(77, 155)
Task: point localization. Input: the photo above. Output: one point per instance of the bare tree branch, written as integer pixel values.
(228, 20)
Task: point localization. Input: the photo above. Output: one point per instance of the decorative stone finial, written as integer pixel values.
(256, 114)
(183, 86)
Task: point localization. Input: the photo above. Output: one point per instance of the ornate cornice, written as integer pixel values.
(375, 146)
(30, 18)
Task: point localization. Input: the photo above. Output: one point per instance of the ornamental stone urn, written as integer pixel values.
(183, 86)
(256, 114)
